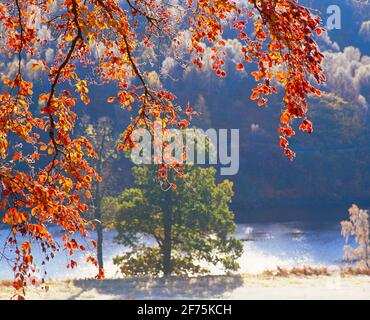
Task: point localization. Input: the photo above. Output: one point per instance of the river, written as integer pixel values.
(266, 246)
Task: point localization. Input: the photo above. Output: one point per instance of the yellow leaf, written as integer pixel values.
(43, 147)
(69, 37)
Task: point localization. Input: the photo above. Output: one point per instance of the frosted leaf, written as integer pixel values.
(358, 227)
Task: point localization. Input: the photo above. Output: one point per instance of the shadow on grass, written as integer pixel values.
(162, 288)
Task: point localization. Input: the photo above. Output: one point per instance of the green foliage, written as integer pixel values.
(148, 261)
(141, 261)
(196, 213)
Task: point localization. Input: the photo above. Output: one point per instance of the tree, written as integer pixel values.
(101, 136)
(76, 44)
(190, 224)
(357, 226)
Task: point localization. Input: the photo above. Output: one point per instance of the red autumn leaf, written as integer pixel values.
(239, 67)
(16, 156)
(261, 102)
(306, 126)
(319, 31)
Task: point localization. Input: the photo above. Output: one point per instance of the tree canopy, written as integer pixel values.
(190, 225)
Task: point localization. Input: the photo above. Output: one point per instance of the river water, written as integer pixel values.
(266, 246)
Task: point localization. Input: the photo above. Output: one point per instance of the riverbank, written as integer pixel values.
(333, 286)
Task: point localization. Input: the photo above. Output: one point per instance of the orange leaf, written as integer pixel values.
(43, 147)
(16, 156)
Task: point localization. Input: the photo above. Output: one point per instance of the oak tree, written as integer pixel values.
(191, 225)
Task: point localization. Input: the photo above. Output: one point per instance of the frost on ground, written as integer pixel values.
(334, 286)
